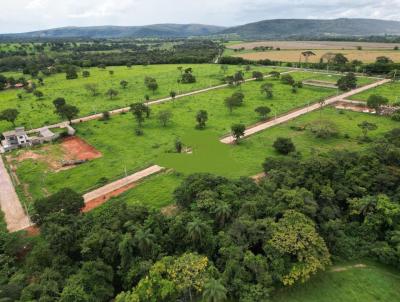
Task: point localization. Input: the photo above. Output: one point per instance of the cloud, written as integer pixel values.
(29, 15)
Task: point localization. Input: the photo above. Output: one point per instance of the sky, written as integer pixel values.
(30, 15)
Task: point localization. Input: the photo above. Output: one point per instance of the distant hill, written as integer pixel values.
(292, 28)
(268, 29)
(148, 31)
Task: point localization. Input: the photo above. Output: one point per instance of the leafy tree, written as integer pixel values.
(64, 201)
(238, 131)
(366, 126)
(139, 111)
(164, 116)
(383, 60)
(224, 68)
(376, 102)
(284, 145)
(267, 90)
(188, 77)
(59, 102)
(258, 75)
(111, 72)
(38, 94)
(67, 111)
(201, 118)
(295, 236)
(92, 88)
(263, 111)
(85, 74)
(178, 145)
(145, 241)
(106, 115)
(287, 79)
(238, 78)
(347, 82)
(71, 73)
(222, 213)
(151, 83)
(214, 291)
(93, 282)
(111, 93)
(275, 74)
(339, 59)
(9, 115)
(124, 84)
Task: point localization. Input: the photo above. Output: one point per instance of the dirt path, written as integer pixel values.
(291, 115)
(155, 102)
(14, 213)
(97, 197)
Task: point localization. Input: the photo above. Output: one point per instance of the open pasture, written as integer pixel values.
(391, 91)
(36, 112)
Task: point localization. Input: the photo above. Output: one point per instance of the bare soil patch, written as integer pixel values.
(354, 107)
(76, 148)
(94, 203)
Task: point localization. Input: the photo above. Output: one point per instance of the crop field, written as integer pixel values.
(391, 91)
(349, 282)
(366, 56)
(37, 112)
(311, 45)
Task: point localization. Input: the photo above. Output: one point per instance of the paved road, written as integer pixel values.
(14, 214)
(155, 102)
(120, 183)
(291, 115)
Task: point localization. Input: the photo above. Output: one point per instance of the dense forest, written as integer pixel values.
(39, 57)
(232, 239)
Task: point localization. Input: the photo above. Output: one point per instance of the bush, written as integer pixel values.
(284, 145)
(324, 129)
(139, 132)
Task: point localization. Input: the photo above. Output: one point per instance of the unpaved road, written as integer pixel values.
(14, 214)
(291, 115)
(120, 183)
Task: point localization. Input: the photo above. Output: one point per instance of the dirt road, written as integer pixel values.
(120, 183)
(14, 214)
(291, 115)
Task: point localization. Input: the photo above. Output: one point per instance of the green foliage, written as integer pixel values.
(376, 102)
(347, 82)
(238, 131)
(65, 201)
(284, 145)
(201, 118)
(9, 115)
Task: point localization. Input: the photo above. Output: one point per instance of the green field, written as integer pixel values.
(35, 113)
(116, 137)
(346, 283)
(390, 90)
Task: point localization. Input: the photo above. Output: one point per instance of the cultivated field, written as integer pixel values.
(312, 45)
(366, 56)
(37, 112)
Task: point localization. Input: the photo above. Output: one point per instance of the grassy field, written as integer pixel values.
(366, 56)
(35, 113)
(116, 137)
(390, 90)
(347, 283)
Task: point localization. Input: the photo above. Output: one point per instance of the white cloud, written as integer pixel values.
(28, 15)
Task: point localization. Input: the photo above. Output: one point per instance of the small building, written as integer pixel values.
(45, 135)
(14, 139)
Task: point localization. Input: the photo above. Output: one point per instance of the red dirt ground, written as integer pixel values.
(78, 149)
(94, 203)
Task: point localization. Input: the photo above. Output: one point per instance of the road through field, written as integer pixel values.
(159, 101)
(14, 214)
(291, 115)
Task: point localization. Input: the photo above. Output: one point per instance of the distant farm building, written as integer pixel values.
(19, 138)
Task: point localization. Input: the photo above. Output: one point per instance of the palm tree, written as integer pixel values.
(222, 213)
(144, 240)
(196, 230)
(214, 291)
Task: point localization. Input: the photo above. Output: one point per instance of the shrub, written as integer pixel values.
(284, 145)
(324, 129)
(139, 132)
